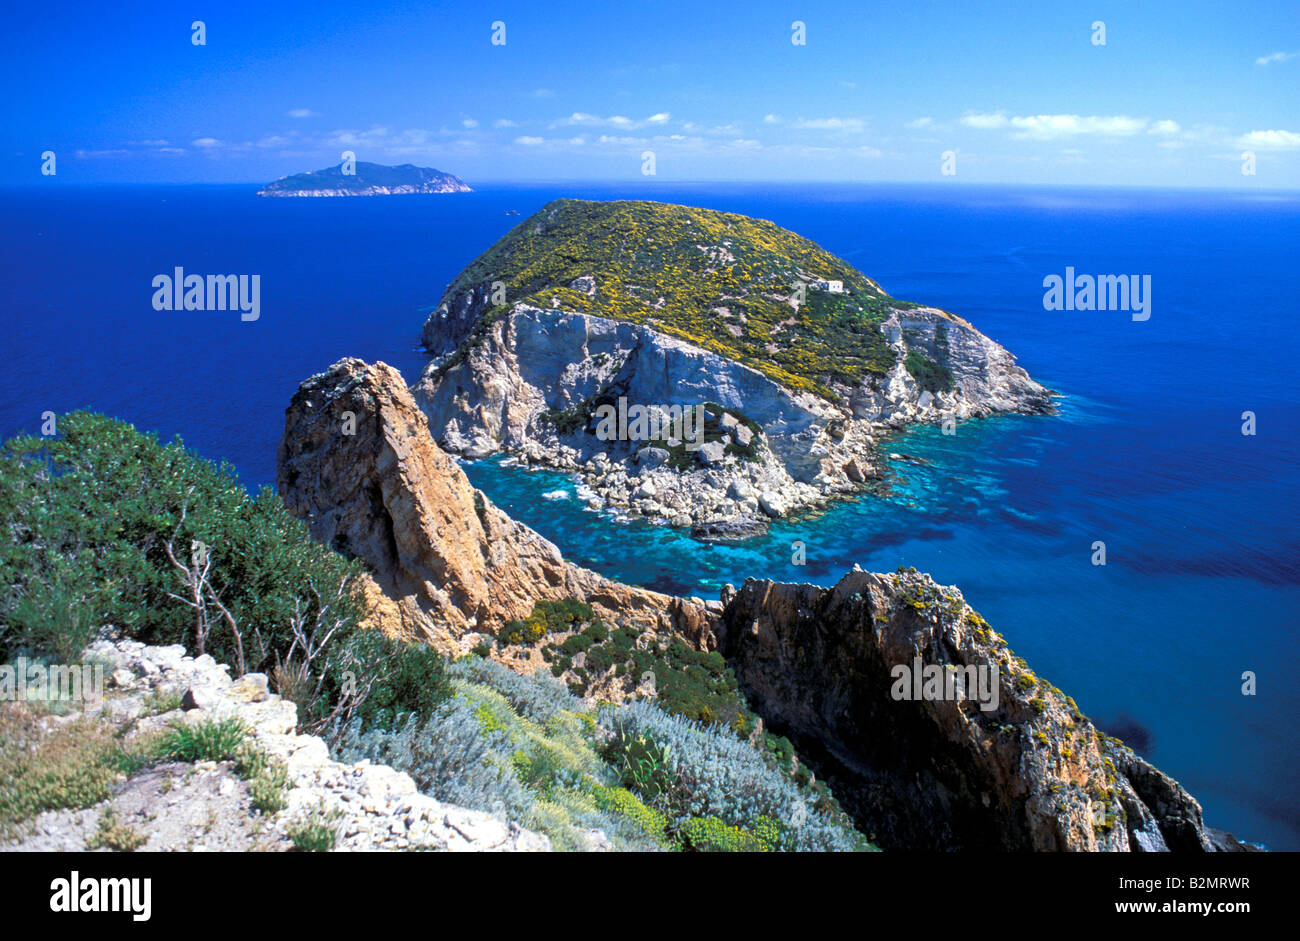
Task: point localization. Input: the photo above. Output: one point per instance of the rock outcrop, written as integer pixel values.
(936, 773)
(357, 463)
(206, 806)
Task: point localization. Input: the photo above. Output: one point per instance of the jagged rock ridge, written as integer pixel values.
(358, 464)
(943, 774)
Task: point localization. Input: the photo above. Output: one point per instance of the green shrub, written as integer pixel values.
(86, 519)
(929, 375)
(267, 777)
(708, 771)
(115, 835)
(315, 832)
(398, 679)
(268, 792)
(642, 764)
(711, 835)
(782, 751)
(204, 740)
(547, 617)
(58, 612)
(621, 801)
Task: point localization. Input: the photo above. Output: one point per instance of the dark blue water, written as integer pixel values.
(1203, 574)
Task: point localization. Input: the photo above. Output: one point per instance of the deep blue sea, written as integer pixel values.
(1202, 580)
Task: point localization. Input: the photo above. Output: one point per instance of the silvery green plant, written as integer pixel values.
(715, 773)
(450, 756)
(539, 697)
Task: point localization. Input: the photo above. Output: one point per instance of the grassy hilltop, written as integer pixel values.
(719, 280)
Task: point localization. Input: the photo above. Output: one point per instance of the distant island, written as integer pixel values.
(370, 179)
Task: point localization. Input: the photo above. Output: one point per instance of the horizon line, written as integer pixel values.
(638, 181)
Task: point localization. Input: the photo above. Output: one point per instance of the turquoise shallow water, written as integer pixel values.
(1150, 647)
(1203, 580)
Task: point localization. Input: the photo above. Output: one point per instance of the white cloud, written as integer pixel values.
(504, 122)
(301, 113)
(920, 122)
(543, 93)
(830, 124)
(469, 123)
(530, 141)
(1273, 57)
(1049, 126)
(1165, 127)
(771, 119)
(984, 121)
(1053, 126)
(1270, 140)
(206, 142)
(583, 119)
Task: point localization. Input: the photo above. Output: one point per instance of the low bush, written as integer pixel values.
(538, 697)
(711, 772)
(711, 835)
(105, 525)
(71, 765)
(316, 831)
(204, 740)
(451, 756)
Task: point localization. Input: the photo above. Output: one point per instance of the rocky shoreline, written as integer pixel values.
(502, 396)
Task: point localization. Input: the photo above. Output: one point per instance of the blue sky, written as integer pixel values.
(1017, 91)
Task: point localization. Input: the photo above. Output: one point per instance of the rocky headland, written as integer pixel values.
(358, 464)
(801, 363)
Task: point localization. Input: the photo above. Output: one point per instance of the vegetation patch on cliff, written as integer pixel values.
(102, 525)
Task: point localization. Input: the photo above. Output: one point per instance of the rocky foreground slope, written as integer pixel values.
(803, 361)
(1030, 773)
(179, 806)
